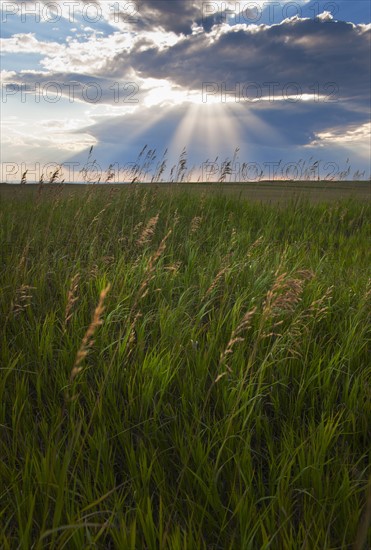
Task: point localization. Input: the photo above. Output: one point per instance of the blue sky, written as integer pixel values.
(287, 83)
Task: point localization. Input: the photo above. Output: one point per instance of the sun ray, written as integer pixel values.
(185, 130)
(206, 128)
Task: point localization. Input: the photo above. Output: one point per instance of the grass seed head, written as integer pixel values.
(72, 298)
(87, 341)
(148, 231)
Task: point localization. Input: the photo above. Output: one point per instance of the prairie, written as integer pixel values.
(185, 366)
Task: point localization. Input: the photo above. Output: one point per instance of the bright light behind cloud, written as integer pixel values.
(355, 136)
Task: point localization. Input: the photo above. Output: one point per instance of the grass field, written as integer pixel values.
(269, 192)
(184, 370)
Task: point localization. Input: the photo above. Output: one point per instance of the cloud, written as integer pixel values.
(43, 141)
(27, 43)
(176, 16)
(346, 137)
(87, 57)
(172, 16)
(308, 52)
(303, 51)
(182, 17)
(44, 87)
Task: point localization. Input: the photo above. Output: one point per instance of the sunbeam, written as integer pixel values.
(206, 128)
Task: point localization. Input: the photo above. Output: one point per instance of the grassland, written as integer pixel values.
(183, 370)
(273, 192)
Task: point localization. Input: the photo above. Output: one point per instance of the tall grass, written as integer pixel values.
(150, 166)
(216, 397)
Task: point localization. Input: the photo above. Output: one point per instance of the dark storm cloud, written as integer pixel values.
(37, 87)
(169, 15)
(179, 16)
(301, 51)
(175, 15)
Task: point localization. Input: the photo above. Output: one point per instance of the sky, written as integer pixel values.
(238, 91)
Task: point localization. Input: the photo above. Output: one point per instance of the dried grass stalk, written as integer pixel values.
(72, 298)
(88, 341)
(148, 231)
